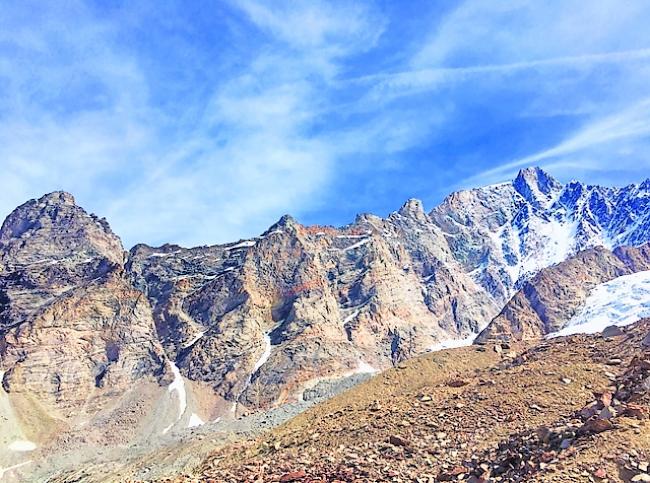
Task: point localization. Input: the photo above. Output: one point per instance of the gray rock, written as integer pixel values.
(612, 331)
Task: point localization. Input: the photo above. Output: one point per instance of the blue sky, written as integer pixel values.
(204, 122)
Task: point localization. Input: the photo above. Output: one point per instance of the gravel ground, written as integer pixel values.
(566, 410)
(179, 451)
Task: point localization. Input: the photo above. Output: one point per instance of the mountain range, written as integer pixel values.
(155, 340)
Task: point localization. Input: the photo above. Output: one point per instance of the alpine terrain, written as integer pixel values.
(137, 365)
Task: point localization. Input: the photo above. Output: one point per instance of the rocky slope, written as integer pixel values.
(548, 301)
(567, 409)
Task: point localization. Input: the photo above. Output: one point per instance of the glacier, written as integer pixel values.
(620, 302)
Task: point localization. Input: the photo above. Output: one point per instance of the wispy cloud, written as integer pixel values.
(229, 171)
(586, 65)
(334, 27)
(592, 147)
(201, 123)
(417, 81)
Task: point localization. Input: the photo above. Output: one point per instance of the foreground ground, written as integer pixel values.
(566, 409)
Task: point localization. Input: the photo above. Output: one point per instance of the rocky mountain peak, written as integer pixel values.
(414, 209)
(286, 222)
(54, 228)
(58, 198)
(536, 185)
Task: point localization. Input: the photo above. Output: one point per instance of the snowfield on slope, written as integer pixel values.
(22, 445)
(621, 301)
(178, 386)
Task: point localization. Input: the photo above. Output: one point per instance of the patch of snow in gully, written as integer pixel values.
(351, 317)
(356, 245)
(365, 368)
(178, 386)
(620, 302)
(195, 421)
(194, 339)
(265, 355)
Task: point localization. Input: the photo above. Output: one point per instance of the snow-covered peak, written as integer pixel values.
(536, 186)
(503, 234)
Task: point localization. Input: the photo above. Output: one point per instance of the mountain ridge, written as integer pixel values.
(251, 325)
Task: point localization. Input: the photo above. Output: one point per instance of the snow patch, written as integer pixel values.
(620, 302)
(453, 343)
(177, 386)
(351, 317)
(22, 446)
(244, 244)
(163, 254)
(356, 245)
(265, 355)
(365, 368)
(194, 339)
(195, 421)
(365, 235)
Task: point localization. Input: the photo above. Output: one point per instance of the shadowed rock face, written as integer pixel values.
(87, 345)
(554, 295)
(72, 328)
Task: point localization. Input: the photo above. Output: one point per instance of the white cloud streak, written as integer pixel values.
(269, 130)
(417, 81)
(589, 148)
(247, 159)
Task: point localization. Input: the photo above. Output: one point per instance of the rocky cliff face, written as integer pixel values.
(262, 319)
(73, 331)
(550, 299)
(258, 321)
(49, 246)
